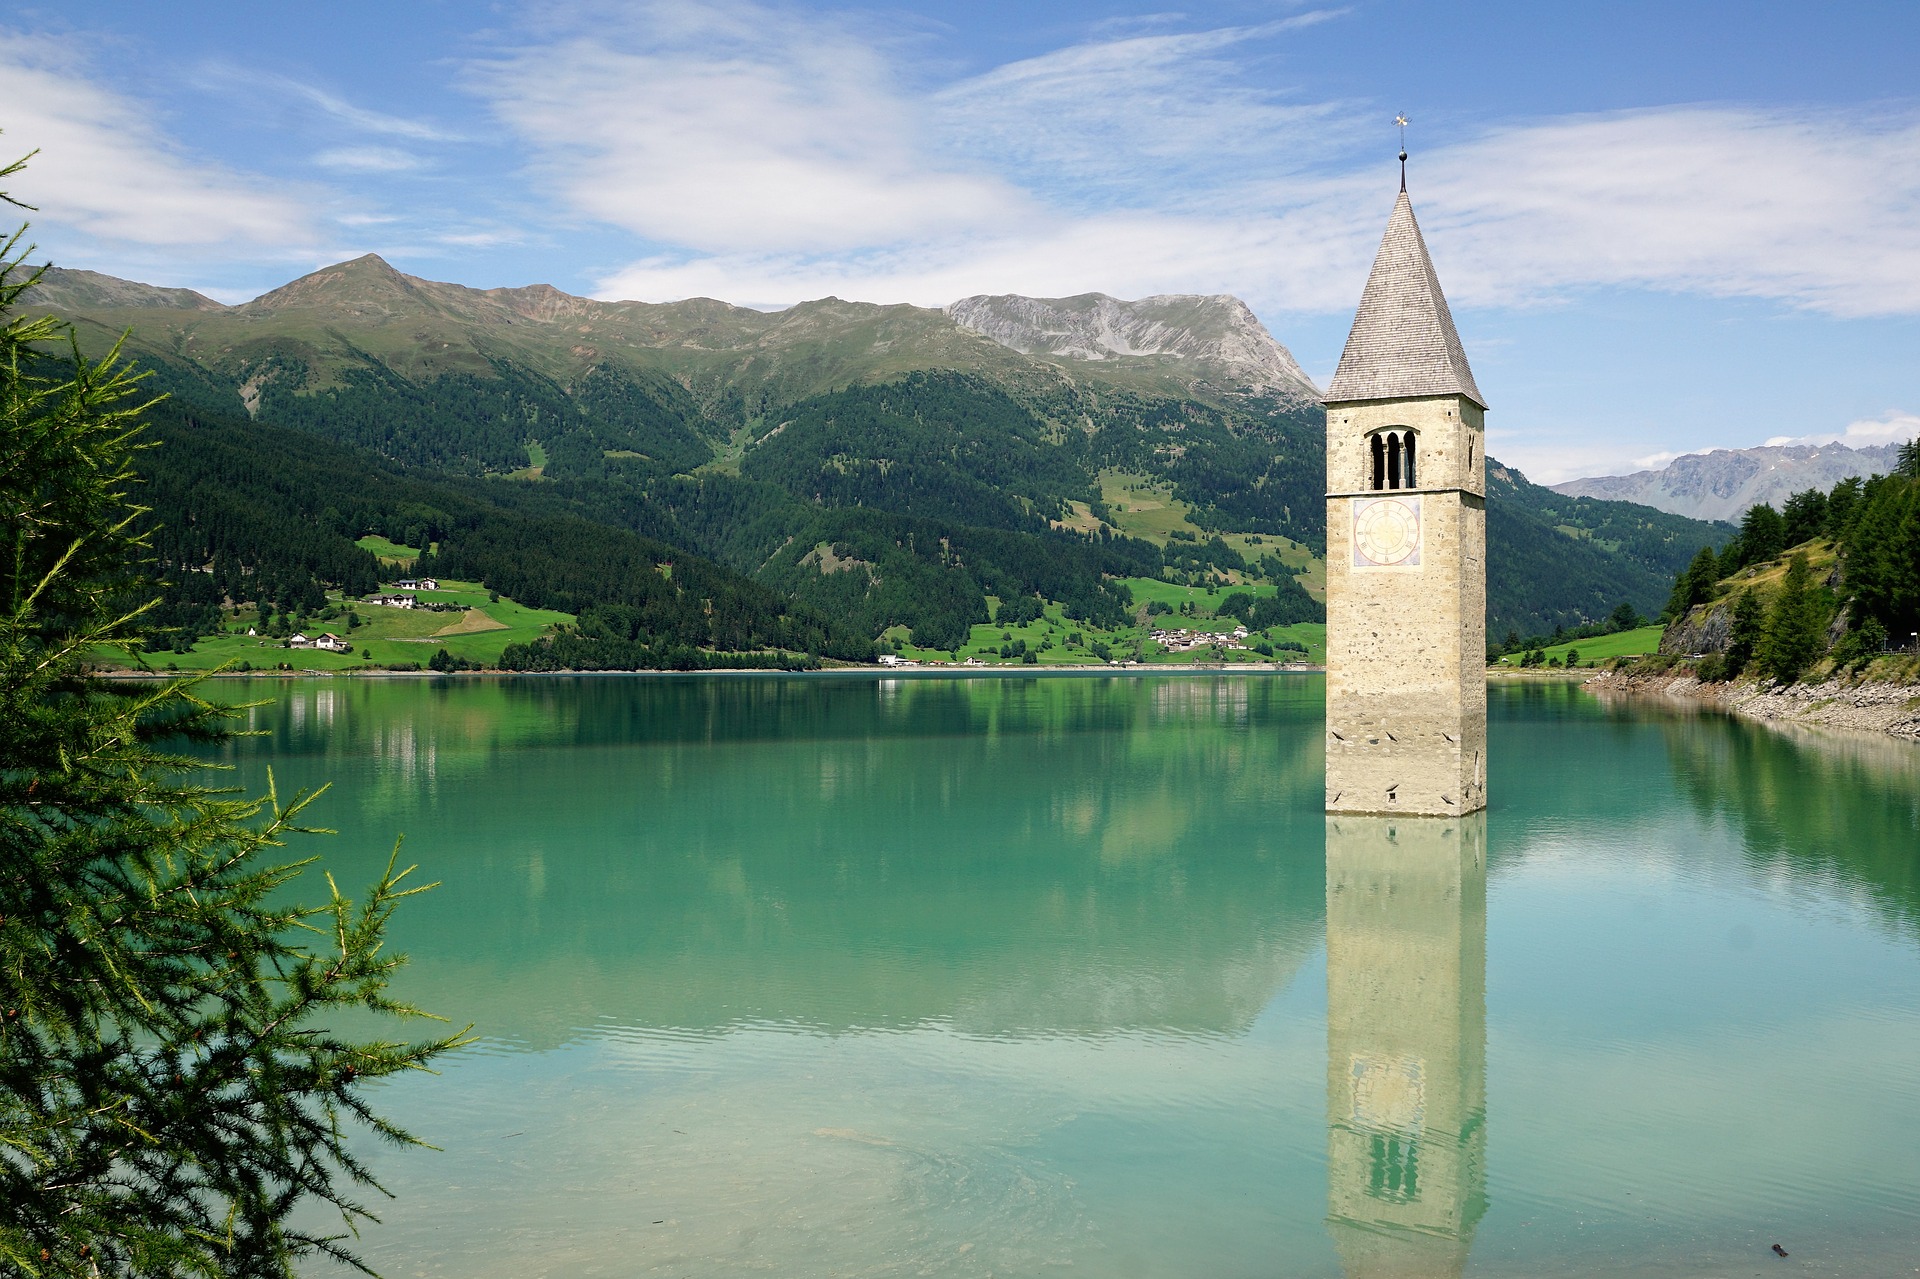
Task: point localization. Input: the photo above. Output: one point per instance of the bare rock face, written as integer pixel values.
(1707, 628)
(1217, 336)
(1721, 485)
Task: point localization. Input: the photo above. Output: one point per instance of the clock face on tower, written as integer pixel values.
(1386, 532)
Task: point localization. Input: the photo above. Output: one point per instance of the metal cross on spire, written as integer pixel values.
(1402, 121)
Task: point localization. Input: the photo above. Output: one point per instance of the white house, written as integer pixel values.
(297, 640)
(417, 584)
(333, 644)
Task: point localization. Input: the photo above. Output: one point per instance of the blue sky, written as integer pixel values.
(1663, 227)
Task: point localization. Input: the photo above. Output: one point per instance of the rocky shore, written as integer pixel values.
(1869, 705)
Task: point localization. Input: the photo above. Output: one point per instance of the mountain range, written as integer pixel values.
(1722, 484)
(880, 465)
(1205, 346)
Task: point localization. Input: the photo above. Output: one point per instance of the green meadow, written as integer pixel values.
(1634, 643)
(1142, 507)
(1054, 640)
(386, 637)
(386, 552)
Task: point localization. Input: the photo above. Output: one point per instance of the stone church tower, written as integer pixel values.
(1406, 550)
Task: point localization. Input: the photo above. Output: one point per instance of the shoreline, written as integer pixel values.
(1888, 709)
(947, 672)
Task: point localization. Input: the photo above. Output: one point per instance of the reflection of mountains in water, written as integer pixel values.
(1054, 856)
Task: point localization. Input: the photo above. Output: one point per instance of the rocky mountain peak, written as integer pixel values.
(1722, 484)
(365, 283)
(544, 302)
(1215, 334)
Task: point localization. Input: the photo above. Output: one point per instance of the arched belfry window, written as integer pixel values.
(1392, 456)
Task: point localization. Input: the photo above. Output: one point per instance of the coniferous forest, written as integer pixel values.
(684, 521)
(1834, 575)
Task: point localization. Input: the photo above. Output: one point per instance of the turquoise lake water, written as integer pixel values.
(830, 975)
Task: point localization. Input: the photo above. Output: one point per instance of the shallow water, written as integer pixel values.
(897, 976)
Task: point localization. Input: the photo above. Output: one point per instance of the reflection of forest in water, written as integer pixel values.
(1834, 809)
(1088, 898)
(1072, 853)
(1061, 855)
(1830, 812)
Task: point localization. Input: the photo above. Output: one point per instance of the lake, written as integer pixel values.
(855, 975)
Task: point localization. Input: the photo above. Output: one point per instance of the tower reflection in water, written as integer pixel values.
(1406, 1042)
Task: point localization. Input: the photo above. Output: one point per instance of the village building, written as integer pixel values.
(1406, 538)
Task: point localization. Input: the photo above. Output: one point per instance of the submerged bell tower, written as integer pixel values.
(1406, 549)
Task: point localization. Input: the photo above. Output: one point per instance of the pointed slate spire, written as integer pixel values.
(1403, 343)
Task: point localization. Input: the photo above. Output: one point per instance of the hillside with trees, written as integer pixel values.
(1829, 584)
(884, 467)
(247, 512)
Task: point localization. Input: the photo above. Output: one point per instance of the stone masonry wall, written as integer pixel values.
(1406, 647)
(1451, 431)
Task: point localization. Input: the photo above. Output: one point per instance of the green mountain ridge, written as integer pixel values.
(788, 445)
(341, 315)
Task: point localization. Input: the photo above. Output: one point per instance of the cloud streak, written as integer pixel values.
(727, 129)
(331, 106)
(1891, 427)
(769, 154)
(1816, 209)
(107, 171)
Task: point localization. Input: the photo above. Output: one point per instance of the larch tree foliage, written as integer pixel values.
(170, 1090)
(1794, 635)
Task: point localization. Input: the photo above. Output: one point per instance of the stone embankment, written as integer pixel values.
(1873, 706)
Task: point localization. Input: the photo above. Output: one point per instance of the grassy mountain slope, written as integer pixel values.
(883, 463)
(505, 380)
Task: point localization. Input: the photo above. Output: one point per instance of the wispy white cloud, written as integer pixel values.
(1123, 253)
(771, 154)
(1658, 461)
(368, 160)
(1146, 118)
(1892, 427)
(1819, 209)
(107, 171)
(226, 76)
(730, 129)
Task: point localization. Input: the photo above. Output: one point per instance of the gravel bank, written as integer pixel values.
(1876, 707)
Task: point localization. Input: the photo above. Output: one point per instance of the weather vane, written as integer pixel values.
(1402, 121)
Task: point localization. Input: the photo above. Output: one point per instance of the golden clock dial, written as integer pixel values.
(1386, 532)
